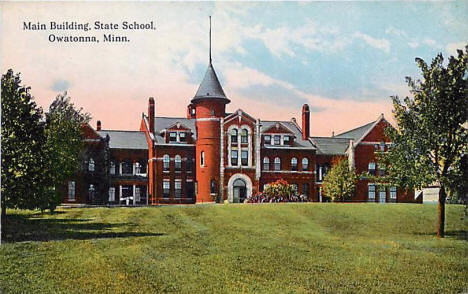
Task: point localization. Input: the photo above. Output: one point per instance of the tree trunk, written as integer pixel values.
(442, 196)
(3, 211)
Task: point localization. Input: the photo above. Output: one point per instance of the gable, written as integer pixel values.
(277, 128)
(87, 132)
(377, 133)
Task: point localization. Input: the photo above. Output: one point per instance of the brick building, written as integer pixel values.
(211, 155)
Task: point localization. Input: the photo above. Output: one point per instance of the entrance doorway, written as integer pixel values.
(240, 191)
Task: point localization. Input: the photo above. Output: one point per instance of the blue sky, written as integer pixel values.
(342, 58)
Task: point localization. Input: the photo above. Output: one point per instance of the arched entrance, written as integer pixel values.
(239, 188)
(239, 191)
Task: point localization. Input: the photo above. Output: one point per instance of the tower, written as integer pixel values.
(210, 105)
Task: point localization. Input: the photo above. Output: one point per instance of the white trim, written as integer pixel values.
(221, 159)
(208, 119)
(175, 144)
(289, 172)
(258, 140)
(287, 147)
(234, 177)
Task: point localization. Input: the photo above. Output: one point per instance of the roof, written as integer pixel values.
(356, 133)
(298, 142)
(162, 123)
(331, 145)
(210, 88)
(125, 139)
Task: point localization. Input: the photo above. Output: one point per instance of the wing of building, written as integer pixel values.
(210, 155)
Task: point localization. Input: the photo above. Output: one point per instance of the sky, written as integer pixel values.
(344, 59)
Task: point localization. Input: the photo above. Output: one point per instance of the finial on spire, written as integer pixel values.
(210, 39)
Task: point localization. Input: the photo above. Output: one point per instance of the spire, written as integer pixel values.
(210, 87)
(210, 39)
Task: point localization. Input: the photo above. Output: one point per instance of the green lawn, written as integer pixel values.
(268, 248)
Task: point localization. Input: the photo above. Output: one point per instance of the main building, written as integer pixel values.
(211, 155)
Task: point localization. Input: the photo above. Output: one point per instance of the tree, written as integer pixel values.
(430, 139)
(62, 147)
(339, 183)
(22, 142)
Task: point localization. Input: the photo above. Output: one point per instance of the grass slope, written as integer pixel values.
(269, 248)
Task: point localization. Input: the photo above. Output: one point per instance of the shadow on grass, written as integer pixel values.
(455, 234)
(21, 228)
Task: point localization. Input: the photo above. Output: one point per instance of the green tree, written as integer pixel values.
(339, 183)
(430, 139)
(22, 142)
(62, 147)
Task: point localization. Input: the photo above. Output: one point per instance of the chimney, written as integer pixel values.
(151, 114)
(333, 134)
(98, 125)
(305, 122)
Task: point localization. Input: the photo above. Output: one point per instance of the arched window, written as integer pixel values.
(213, 187)
(202, 158)
(244, 136)
(112, 168)
(166, 161)
(266, 163)
(178, 163)
(294, 164)
(234, 134)
(137, 168)
(91, 164)
(372, 168)
(305, 163)
(277, 163)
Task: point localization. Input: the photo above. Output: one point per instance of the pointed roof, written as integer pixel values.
(210, 87)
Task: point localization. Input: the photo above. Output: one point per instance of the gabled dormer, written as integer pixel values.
(177, 133)
(277, 134)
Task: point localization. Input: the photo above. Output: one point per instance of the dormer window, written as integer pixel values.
(267, 139)
(183, 137)
(244, 136)
(172, 136)
(277, 139)
(286, 140)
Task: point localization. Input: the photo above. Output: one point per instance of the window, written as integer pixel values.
(189, 164)
(372, 168)
(112, 168)
(382, 146)
(91, 164)
(71, 191)
(326, 169)
(371, 193)
(166, 162)
(244, 136)
(266, 163)
(382, 195)
(166, 188)
(277, 163)
(137, 168)
(202, 158)
(245, 158)
(393, 192)
(178, 163)
(127, 168)
(137, 194)
(178, 188)
(193, 111)
(286, 140)
(277, 139)
(91, 191)
(234, 136)
(213, 187)
(382, 170)
(111, 194)
(294, 164)
(172, 136)
(305, 164)
(267, 139)
(234, 156)
(182, 137)
(306, 189)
